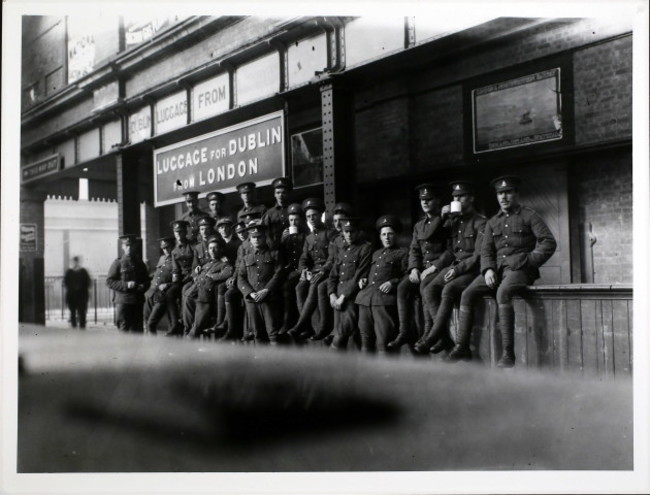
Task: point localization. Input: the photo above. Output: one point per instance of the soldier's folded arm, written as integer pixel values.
(113, 280)
(545, 242)
(365, 260)
(488, 251)
(224, 274)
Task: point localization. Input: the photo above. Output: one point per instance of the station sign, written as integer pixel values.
(252, 151)
(171, 113)
(211, 97)
(42, 168)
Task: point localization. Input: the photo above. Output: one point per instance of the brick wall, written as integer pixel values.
(605, 198)
(603, 91)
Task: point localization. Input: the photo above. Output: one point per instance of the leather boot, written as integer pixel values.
(403, 316)
(461, 350)
(507, 329)
(438, 334)
(221, 310)
(229, 323)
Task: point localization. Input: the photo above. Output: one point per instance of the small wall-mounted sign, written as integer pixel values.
(28, 238)
(42, 168)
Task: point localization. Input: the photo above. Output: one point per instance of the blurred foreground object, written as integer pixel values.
(113, 402)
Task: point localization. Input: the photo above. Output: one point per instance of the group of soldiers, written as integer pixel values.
(282, 275)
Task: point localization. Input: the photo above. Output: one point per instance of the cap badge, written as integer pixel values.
(457, 186)
(503, 183)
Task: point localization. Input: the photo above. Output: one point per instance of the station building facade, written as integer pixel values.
(353, 109)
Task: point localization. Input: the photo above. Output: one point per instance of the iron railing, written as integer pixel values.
(101, 308)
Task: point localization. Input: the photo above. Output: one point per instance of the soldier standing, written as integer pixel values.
(260, 279)
(428, 243)
(515, 244)
(129, 280)
(343, 282)
(231, 245)
(182, 262)
(215, 205)
(250, 209)
(77, 282)
(276, 218)
(233, 320)
(311, 290)
(291, 245)
(193, 213)
(455, 268)
(377, 299)
(214, 272)
(156, 303)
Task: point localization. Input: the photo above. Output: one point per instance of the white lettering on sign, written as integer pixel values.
(255, 140)
(210, 97)
(171, 112)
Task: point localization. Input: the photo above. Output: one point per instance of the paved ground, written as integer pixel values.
(102, 401)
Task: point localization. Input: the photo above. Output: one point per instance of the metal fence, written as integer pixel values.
(101, 308)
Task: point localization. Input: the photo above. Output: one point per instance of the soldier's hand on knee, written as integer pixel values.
(491, 278)
(386, 287)
(316, 277)
(362, 283)
(339, 302)
(261, 295)
(450, 275)
(414, 276)
(333, 300)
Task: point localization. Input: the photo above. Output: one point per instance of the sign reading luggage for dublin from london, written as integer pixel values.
(252, 151)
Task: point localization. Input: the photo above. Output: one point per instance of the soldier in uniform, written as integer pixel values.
(311, 290)
(343, 282)
(276, 218)
(291, 245)
(156, 303)
(231, 245)
(233, 321)
(455, 268)
(260, 280)
(214, 272)
(193, 213)
(182, 262)
(250, 209)
(215, 205)
(428, 243)
(129, 280)
(201, 257)
(515, 244)
(377, 299)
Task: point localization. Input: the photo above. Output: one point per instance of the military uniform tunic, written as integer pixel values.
(157, 302)
(291, 249)
(276, 219)
(351, 266)
(255, 211)
(378, 310)
(193, 220)
(262, 269)
(128, 302)
(214, 272)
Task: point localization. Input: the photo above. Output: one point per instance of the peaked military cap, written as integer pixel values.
(216, 238)
(350, 223)
(215, 195)
(344, 208)
(283, 182)
(427, 190)
(462, 187)
(179, 225)
(128, 238)
(191, 194)
(389, 221)
(169, 239)
(240, 227)
(313, 203)
(295, 209)
(246, 187)
(256, 227)
(206, 220)
(505, 182)
(252, 215)
(225, 221)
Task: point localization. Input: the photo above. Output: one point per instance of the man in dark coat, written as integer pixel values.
(156, 302)
(455, 269)
(276, 218)
(377, 299)
(77, 283)
(129, 280)
(515, 244)
(343, 282)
